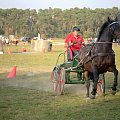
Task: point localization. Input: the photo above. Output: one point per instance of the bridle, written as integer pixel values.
(110, 27)
(113, 24)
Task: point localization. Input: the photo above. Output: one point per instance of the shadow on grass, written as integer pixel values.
(20, 104)
(104, 108)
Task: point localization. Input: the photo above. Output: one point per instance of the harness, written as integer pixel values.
(98, 54)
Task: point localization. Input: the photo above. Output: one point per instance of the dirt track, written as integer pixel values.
(39, 81)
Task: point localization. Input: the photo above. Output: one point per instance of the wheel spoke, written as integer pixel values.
(58, 80)
(101, 85)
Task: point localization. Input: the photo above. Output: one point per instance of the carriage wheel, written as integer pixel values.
(101, 85)
(54, 78)
(61, 82)
(58, 80)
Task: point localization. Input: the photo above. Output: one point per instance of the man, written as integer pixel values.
(74, 43)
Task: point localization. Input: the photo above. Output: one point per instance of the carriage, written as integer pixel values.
(71, 72)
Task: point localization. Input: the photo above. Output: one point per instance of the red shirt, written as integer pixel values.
(71, 38)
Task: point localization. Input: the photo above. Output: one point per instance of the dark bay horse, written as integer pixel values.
(99, 57)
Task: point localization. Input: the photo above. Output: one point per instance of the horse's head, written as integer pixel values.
(114, 28)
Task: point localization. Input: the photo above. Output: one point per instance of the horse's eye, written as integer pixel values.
(112, 29)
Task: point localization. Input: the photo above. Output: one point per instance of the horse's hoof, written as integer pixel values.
(92, 97)
(87, 98)
(103, 94)
(113, 92)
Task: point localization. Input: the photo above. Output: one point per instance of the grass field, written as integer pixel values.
(28, 96)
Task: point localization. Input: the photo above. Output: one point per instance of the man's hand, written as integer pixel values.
(83, 44)
(70, 44)
(75, 42)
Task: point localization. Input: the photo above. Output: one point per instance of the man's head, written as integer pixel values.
(75, 30)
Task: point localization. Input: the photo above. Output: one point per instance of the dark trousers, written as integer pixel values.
(71, 54)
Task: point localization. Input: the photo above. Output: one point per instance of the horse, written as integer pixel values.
(99, 57)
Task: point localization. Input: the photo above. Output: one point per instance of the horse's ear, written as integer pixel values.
(109, 19)
(116, 19)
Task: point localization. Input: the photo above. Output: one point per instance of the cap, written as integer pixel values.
(75, 28)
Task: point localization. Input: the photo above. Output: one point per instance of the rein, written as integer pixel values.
(104, 42)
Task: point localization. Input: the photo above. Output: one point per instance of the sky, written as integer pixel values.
(63, 4)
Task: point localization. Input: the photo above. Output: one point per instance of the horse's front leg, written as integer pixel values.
(96, 77)
(115, 71)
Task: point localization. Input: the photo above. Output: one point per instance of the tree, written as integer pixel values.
(54, 22)
(2, 32)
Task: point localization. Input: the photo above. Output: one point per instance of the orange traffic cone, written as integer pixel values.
(12, 74)
(24, 50)
(9, 51)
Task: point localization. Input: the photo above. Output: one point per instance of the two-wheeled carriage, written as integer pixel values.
(71, 72)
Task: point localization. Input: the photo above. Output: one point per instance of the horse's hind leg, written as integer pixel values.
(86, 76)
(115, 71)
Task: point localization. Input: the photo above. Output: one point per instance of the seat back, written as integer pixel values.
(69, 53)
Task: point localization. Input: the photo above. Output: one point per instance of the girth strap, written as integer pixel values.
(99, 54)
(102, 54)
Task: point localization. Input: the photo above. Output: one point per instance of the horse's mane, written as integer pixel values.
(102, 29)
